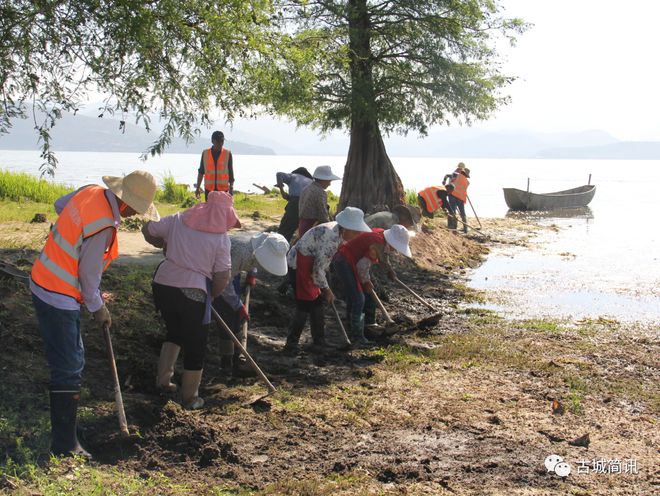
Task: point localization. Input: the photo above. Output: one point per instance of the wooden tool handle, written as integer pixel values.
(119, 401)
(381, 306)
(341, 325)
(237, 342)
(415, 295)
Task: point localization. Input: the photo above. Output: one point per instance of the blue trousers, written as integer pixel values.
(455, 203)
(60, 330)
(357, 302)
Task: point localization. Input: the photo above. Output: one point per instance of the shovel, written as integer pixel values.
(238, 343)
(119, 401)
(417, 297)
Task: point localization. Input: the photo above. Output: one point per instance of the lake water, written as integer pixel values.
(603, 262)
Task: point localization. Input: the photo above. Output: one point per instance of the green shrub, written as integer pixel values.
(411, 197)
(173, 192)
(20, 186)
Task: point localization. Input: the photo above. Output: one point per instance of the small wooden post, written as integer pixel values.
(528, 185)
(589, 183)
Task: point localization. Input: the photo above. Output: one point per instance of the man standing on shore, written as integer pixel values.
(80, 246)
(216, 167)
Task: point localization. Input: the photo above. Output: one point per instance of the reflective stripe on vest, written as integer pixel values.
(460, 183)
(431, 200)
(85, 214)
(216, 174)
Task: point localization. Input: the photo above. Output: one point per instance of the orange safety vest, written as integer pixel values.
(460, 183)
(216, 174)
(85, 214)
(431, 199)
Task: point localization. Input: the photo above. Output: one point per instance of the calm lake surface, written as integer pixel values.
(604, 262)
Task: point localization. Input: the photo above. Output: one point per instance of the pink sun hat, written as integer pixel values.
(216, 216)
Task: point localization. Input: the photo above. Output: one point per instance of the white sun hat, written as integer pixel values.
(270, 250)
(137, 190)
(398, 237)
(324, 172)
(352, 218)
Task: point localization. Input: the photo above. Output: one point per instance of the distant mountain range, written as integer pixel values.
(86, 133)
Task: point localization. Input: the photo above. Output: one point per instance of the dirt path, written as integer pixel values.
(459, 404)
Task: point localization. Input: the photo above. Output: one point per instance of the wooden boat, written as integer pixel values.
(517, 199)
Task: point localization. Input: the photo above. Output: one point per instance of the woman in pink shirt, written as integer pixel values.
(196, 270)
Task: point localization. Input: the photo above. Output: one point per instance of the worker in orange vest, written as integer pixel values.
(457, 184)
(216, 167)
(432, 199)
(80, 246)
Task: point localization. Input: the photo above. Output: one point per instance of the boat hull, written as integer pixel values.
(517, 199)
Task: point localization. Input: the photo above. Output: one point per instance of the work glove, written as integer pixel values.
(251, 278)
(102, 317)
(391, 275)
(243, 314)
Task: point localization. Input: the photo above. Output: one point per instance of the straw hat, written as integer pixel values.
(137, 190)
(270, 250)
(324, 173)
(216, 216)
(397, 237)
(352, 218)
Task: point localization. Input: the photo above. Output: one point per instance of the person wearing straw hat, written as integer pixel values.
(308, 260)
(196, 269)
(249, 253)
(313, 205)
(457, 185)
(352, 264)
(67, 274)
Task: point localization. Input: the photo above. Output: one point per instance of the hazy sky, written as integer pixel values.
(586, 64)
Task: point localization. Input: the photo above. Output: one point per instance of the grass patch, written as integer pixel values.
(400, 357)
(20, 186)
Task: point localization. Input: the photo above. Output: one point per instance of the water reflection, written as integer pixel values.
(560, 213)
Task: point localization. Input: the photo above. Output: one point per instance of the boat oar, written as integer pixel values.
(238, 343)
(474, 211)
(119, 401)
(347, 342)
(417, 297)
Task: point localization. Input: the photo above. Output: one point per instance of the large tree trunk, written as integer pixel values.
(369, 177)
(370, 181)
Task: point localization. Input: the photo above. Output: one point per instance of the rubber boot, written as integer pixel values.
(357, 330)
(227, 365)
(317, 327)
(465, 227)
(63, 424)
(190, 382)
(452, 222)
(169, 352)
(295, 330)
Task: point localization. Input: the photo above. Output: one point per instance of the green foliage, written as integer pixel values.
(19, 186)
(178, 60)
(175, 193)
(411, 197)
(360, 61)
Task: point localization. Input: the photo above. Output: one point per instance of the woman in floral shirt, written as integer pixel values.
(308, 261)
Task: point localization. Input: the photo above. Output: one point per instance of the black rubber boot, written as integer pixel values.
(464, 219)
(63, 416)
(227, 365)
(295, 330)
(317, 327)
(357, 330)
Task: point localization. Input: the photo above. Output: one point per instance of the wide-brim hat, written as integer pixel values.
(137, 190)
(216, 216)
(324, 173)
(398, 238)
(270, 249)
(352, 218)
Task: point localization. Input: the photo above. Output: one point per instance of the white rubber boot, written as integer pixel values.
(190, 382)
(169, 352)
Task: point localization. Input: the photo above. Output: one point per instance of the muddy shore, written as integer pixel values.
(461, 403)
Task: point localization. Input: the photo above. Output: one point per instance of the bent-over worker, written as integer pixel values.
(457, 185)
(266, 251)
(313, 206)
(297, 181)
(196, 269)
(432, 199)
(308, 260)
(67, 274)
